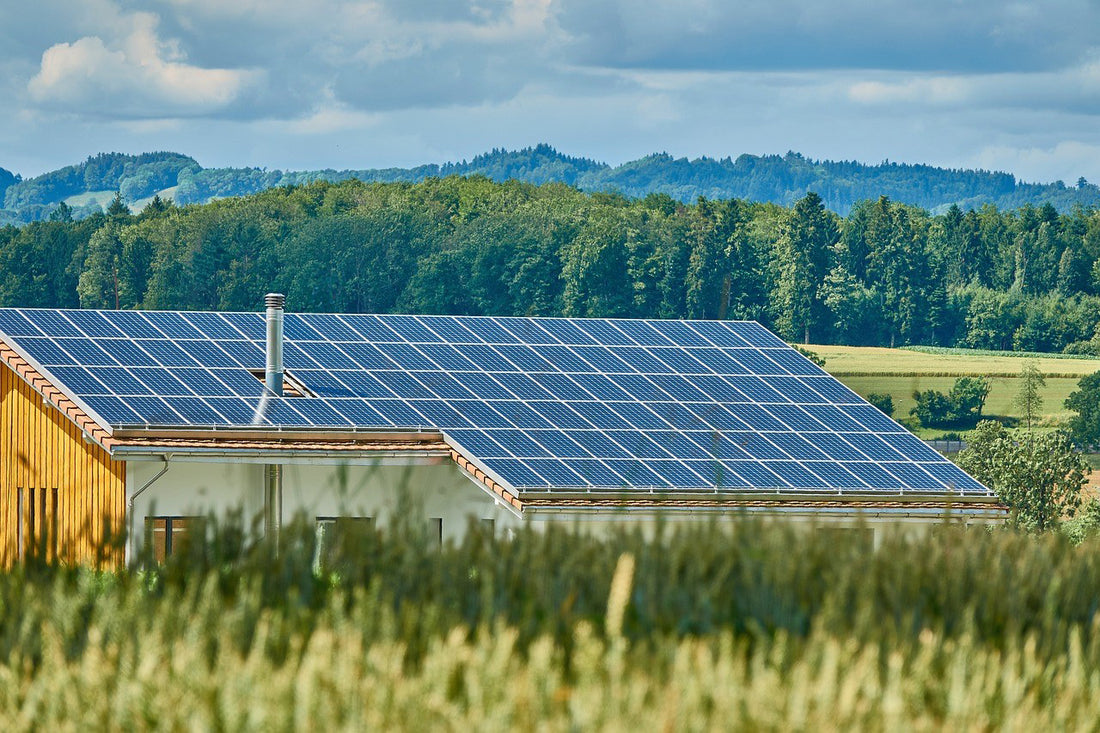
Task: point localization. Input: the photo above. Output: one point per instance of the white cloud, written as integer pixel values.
(359, 83)
(136, 76)
(1072, 89)
(1065, 161)
(932, 90)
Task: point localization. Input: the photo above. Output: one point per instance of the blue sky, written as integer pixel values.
(299, 84)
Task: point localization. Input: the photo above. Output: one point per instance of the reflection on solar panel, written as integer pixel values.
(568, 404)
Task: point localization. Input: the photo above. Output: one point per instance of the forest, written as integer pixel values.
(778, 179)
(885, 274)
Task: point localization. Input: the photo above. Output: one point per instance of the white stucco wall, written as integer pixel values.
(330, 488)
(315, 489)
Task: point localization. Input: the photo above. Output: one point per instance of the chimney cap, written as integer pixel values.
(274, 300)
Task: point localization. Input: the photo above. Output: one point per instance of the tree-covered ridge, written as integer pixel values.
(887, 274)
(767, 179)
(7, 178)
(134, 176)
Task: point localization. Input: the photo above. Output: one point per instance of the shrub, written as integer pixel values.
(962, 408)
(932, 408)
(883, 402)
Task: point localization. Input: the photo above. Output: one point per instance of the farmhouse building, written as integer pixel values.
(140, 422)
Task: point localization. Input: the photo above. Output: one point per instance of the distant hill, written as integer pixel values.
(7, 178)
(780, 179)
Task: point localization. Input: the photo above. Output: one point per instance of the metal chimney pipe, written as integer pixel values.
(273, 380)
(273, 372)
(273, 502)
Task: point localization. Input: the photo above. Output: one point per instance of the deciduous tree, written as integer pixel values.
(1029, 398)
(1084, 427)
(1039, 477)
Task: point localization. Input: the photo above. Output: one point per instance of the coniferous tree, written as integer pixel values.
(804, 253)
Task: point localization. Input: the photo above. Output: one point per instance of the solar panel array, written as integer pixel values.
(585, 404)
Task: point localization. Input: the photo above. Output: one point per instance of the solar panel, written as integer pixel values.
(641, 360)
(797, 475)
(597, 473)
(644, 333)
(172, 325)
(121, 381)
(216, 326)
(563, 387)
(489, 331)
(195, 410)
(557, 473)
(332, 328)
(599, 443)
(86, 352)
(518, 443)
(636, 473)
(81, 380)
(601, 387)
(526, 330)
(409, 328)
(750, 474)
(478, 443)
(524, 357)
(450, 329)
(14, 323)
(567, 332)
(600, 415)
(46, 351)
(719, 361)
(127, 352)
(92, 323)
(514, 468)
(542, 403)
(560, 414)
(605, 332)
(677, 474)
(251, 325)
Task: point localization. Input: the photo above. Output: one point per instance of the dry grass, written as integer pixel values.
(754, 628)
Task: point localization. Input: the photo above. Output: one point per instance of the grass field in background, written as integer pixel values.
(103, 198)
(900, 372)
(849, 361)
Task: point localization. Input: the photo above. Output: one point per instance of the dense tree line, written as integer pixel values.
(779, 179)
(886, 274)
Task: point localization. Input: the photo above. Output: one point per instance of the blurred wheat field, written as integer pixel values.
(751, 627)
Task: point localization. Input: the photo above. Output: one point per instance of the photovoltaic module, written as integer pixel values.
(540, 403)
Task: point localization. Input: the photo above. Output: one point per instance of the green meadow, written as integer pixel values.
(901, 372)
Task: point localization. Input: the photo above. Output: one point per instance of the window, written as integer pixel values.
(37, 527)
(164, 534)
(862, 538)
(332, 531)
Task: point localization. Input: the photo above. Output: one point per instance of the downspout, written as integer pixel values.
(139, 492)
(273, 380)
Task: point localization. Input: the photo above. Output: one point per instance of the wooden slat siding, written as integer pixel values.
(42, 448)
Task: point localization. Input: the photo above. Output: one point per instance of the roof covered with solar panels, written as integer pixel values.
(539, 404)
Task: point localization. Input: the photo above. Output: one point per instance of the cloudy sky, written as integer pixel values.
(299, 84)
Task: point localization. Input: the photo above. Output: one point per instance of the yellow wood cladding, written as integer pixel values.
(58, 492)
